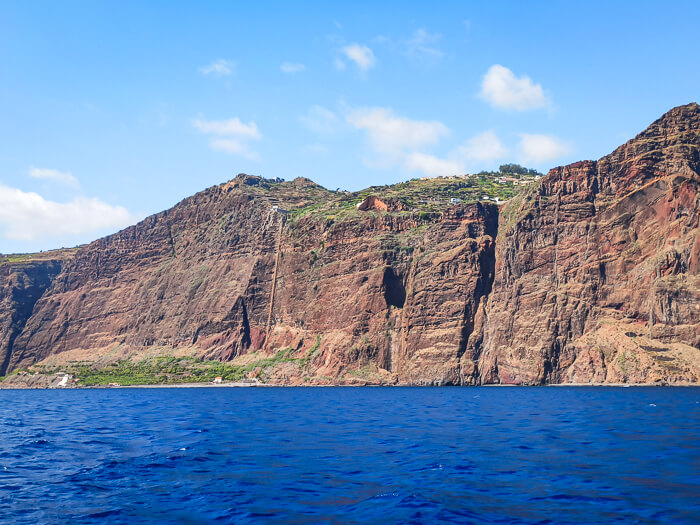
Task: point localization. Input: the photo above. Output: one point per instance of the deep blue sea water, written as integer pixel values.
(423, 455)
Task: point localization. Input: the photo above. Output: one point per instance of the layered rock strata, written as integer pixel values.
(592, 275)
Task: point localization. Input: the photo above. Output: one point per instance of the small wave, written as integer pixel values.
(576, 497)
(386, 495)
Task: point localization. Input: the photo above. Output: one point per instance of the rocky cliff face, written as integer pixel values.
(590, 276)
(597, 274)
(21, 286)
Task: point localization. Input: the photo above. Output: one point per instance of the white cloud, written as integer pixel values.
(292, 67)
(62, 177)
(482, 148)
(28, 216)
(319, 120)
(390, 134)
(502, 89)
(431, 165)
(219, 68)
(542, 148)
(361, 55)
(339, 64)
(234, 147)
(232, 126)
(399, 141)
(231, 136)
(421, 45)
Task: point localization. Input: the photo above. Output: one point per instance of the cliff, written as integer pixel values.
(23, 280)
(589, 275)
(597, 276)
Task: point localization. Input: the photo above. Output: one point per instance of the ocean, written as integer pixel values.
(350, 455)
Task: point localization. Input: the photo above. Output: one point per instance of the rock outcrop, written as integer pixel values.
(591, 275)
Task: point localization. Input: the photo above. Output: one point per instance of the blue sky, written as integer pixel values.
(111, 111)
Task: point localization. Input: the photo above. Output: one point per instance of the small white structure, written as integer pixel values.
(454, 200)
(217, 379)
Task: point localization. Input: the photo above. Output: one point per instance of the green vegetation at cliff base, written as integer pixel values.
(152, 371)
(165, 370)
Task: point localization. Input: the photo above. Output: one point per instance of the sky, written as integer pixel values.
(111, 111)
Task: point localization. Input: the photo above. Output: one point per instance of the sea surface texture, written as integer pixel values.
(303, 455)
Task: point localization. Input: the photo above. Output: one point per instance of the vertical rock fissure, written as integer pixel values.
(482, 292)
(487, 272)
(399, 360)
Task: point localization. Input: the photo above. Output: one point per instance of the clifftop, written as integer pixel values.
(61, 254)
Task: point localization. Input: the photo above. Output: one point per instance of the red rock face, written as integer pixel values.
(590, 277)
(21, 286)
(600, 250)
(224, 274)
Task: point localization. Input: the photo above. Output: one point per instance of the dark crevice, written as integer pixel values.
(487, 266)
(245, 336)
(482, 291)
(236, 324)
(394, 291)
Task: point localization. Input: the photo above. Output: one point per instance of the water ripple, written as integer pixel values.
(285, 455)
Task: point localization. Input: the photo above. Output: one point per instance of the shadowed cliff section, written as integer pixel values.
(589, 275)
(22, 283)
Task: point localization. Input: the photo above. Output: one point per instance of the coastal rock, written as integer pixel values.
(22, 284)
(591, 275)
(598, 258)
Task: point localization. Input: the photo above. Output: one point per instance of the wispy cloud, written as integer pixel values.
(27, 216)
(292, 67)
(431, 165)
(234, 147)
(542, 148)
(406, 143)
(477, 151)
(502, 89)
(401, 141)
(61, 177)
(484, 147)
(422, 46)
(230, 136)
(391, 134)
(361, 55)
(319, 120)
(219, 68)
(232, 126)
(338, 64)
